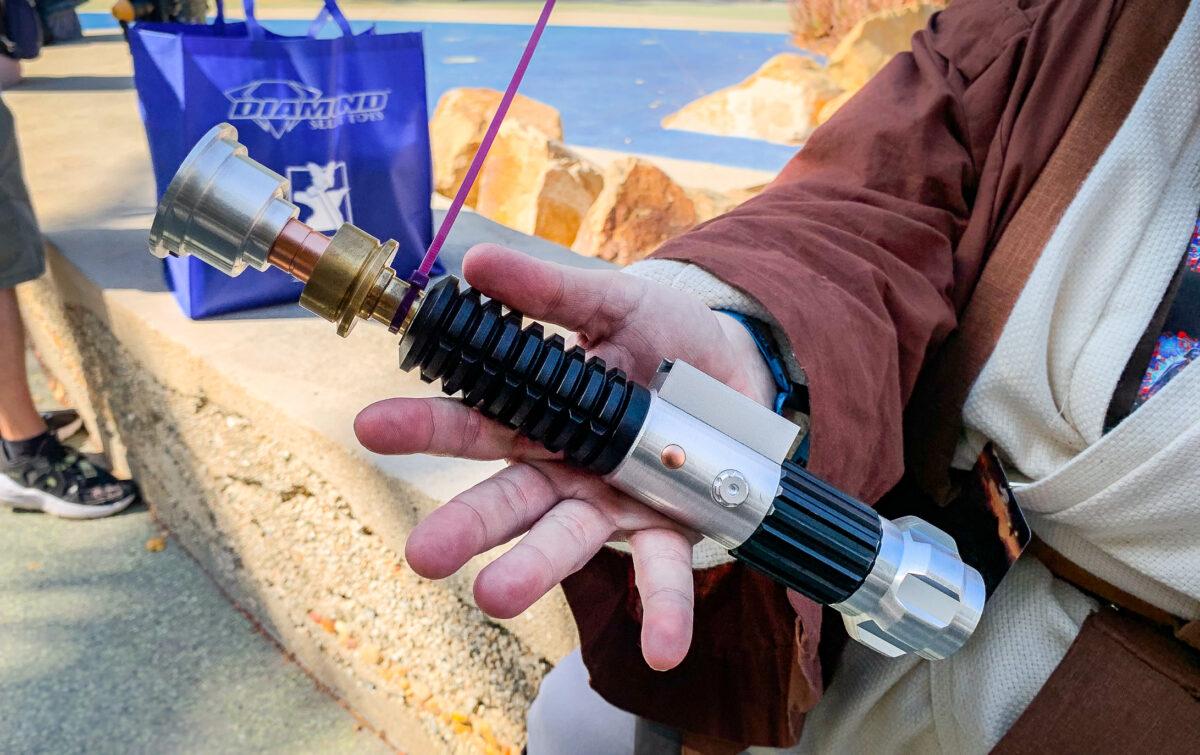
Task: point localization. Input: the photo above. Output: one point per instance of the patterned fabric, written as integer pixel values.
(1179, 344)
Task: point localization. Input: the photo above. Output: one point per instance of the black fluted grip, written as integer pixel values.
(816, 540)
(527, 380)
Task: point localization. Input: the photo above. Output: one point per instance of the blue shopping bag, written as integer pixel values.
(343, 119)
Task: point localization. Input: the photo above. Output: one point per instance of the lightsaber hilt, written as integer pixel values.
(687, 445)
(710, 458)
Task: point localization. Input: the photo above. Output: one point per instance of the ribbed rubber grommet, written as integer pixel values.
(525, 379)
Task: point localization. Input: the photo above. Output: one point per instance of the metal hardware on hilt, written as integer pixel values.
(688, 445)
(232, 212)
(901, 586)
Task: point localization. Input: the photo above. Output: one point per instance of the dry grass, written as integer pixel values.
(817, 25)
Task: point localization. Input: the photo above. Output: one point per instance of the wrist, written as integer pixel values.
(758, 384)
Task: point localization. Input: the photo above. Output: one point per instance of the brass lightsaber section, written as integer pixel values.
(233, 213)
(350, 279)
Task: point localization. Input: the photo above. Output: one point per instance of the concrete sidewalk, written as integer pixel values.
(106, 646)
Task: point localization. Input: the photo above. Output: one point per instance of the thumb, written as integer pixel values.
(595, 302)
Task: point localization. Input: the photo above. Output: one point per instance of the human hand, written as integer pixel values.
(566, 515)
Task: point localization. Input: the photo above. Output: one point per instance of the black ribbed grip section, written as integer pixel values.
(527, 380)
(816, 540)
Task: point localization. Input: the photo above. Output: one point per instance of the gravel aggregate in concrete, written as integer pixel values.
(288, 546)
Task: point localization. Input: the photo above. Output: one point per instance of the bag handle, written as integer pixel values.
(330, 10)
(255, 29)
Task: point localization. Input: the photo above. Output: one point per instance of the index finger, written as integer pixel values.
(595, 302)
(439, 426)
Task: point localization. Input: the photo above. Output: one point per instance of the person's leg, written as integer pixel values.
(19, 418)
(37, 472)
(21, 259)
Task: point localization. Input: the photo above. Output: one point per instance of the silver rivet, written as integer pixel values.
(730, 488)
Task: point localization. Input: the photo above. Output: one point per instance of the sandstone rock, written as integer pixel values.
(639, 208)
(832, 107)
(709, 203)
(791, 95)
(872, 42)
(778, 103)
(741, 195)
(536, 185)
(818, 25)
(458, 125)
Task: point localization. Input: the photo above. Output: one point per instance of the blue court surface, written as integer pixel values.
(611, 85)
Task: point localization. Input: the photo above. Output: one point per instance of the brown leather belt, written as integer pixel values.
(1060, 566)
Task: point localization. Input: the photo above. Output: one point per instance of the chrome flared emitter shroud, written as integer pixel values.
(222, 206)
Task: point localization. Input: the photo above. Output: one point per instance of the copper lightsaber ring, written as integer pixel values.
(297, 250)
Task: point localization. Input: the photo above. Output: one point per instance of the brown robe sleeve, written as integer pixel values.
(863, 250)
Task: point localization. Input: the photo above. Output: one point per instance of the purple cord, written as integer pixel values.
(420, 276)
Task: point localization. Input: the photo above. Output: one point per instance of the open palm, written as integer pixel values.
(565, 515)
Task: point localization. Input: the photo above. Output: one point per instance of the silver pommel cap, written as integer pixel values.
(919, 596)
(222, 206)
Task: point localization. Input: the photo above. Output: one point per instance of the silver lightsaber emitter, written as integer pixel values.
(687, 445)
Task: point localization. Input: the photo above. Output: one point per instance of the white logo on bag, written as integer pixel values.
(325, 191)
(279, 105)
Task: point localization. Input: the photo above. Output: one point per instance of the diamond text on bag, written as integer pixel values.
(279, 105)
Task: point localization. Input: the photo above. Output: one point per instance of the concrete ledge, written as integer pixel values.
(239, 429)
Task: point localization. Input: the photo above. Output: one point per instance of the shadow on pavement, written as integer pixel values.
(108, 36)
(75, 83)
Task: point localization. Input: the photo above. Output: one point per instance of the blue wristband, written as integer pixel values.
(789, 395)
